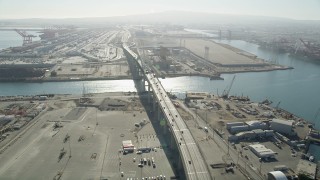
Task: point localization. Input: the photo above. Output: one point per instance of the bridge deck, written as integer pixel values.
(193, 162)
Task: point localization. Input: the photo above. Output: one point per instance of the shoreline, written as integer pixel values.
(212, 77)
(64, 79)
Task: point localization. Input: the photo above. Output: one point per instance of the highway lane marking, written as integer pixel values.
(202, 172)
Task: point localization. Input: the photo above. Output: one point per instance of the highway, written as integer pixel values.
(192, 160)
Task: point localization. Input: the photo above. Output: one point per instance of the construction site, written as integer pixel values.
(181, 53)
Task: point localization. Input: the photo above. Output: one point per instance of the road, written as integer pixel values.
(192, 160)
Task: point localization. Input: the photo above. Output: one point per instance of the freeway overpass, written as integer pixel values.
(194, 166)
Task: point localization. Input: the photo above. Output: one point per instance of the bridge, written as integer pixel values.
(193, 164)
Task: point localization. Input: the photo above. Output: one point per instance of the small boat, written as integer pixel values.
(311, 158)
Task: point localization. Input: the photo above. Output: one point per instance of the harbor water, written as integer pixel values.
(297, 89)
(13, 39)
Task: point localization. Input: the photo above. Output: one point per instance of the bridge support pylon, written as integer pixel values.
(164, 127)
(154, 106)
(180, 167)
(159, 112)
(149, 93)
(172, 142)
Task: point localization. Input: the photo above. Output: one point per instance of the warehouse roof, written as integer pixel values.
(280, 121)
(252, 123)
(278, 175)
(261, 149)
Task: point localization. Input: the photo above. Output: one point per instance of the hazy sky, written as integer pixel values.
(295, 9)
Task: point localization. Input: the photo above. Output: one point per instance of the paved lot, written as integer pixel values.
(35, 155)
(217, 53)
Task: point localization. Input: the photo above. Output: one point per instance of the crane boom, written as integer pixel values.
(226, 92)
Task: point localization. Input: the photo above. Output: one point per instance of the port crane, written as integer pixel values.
(27, 38)
(226, 92)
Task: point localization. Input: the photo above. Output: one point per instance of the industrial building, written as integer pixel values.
(261, 151)
(256, 125)
(127, 146)
(282, 126)
(257, 133)
(237, 127)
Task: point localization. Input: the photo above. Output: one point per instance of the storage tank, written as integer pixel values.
(282, 126)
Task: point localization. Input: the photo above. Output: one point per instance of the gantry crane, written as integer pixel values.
(27, 38)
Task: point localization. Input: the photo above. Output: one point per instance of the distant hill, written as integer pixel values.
(171, 17)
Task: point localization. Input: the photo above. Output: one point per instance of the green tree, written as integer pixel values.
(53, 73)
